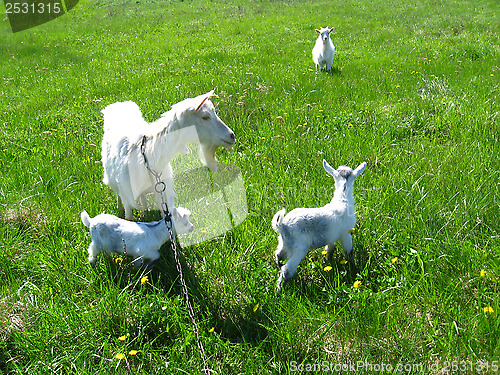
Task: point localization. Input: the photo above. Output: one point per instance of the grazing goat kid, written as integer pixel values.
(309, 228)
(324, 49)
(127, 135)
(139, 240)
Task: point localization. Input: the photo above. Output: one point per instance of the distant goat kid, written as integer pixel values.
(142, 241)
(190, 121)
(324, 49)
(310, 228)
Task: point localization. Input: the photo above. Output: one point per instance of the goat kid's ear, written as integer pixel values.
(205, 97)
(319, 32)
(360, 169)
(332, 29)
(175, 213)
(330, 169)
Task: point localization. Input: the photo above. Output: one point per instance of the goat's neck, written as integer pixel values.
(343, 195)
(167, 140)
(161, 233)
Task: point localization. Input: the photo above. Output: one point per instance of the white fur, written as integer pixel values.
(309, 228)
(139, 240)
(190, 121)
(324, 49)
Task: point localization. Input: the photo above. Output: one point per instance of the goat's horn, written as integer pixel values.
(208, 95)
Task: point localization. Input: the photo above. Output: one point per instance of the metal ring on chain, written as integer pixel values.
(162, 187)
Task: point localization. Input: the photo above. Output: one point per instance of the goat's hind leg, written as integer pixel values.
(289, 269)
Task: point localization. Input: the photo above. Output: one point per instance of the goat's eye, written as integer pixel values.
(206, 117)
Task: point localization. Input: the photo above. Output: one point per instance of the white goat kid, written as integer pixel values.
(190, 121)
(140, 240)
(310, 228)
(324, 49)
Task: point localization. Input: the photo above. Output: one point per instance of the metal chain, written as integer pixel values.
(159, 189)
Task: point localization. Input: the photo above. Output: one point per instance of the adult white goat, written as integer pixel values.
(309, 228)
(192, 120)
(324, 49)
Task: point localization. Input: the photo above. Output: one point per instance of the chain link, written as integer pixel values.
(160, 187)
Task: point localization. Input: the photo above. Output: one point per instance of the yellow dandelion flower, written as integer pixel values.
(324, 252)
(482, 273)
(352, 231)
(255, 307)
(92, 306)
(357, 284)
(211, 330)
(118, 260)
(394, 260)
(489, 309)
(311, 70)
(491, 74)
(144, 280)
(327, 268)
(133, 352)
(122, 338)
(119, 356)
(343, 261)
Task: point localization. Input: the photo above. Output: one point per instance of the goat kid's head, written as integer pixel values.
(211, 130)
(181, 217)
(344, 176)
(324, 33)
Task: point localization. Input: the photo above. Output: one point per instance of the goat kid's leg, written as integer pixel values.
(346, 241)
(152, 263)
(93, 253)
(280, 254)
(289, 269)
(330, 248)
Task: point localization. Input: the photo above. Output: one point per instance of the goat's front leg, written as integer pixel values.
(330, 248)
(119, 206)
(346, 241)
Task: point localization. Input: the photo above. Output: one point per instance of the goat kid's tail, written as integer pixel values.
(278, 219)
(85, 218)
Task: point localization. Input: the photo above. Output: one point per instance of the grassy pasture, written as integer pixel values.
(414, 92)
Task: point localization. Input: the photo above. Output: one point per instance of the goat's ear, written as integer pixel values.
(205, 97)
(360, 169)
(175, 213)
(332, 29)
(319, 32)
(330, 169)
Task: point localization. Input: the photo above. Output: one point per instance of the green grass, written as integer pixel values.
(414, 92)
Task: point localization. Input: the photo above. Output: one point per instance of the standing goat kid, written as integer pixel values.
(127, 135)
(310, 228)
(324, 49)
(142, 241)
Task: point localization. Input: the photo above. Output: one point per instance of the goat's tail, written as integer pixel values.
(122, 117)
(278, 219)
(85, 218)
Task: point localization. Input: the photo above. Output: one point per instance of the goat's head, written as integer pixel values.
(324, 33)
(344, 176)
(181, 217)
(211, 130)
